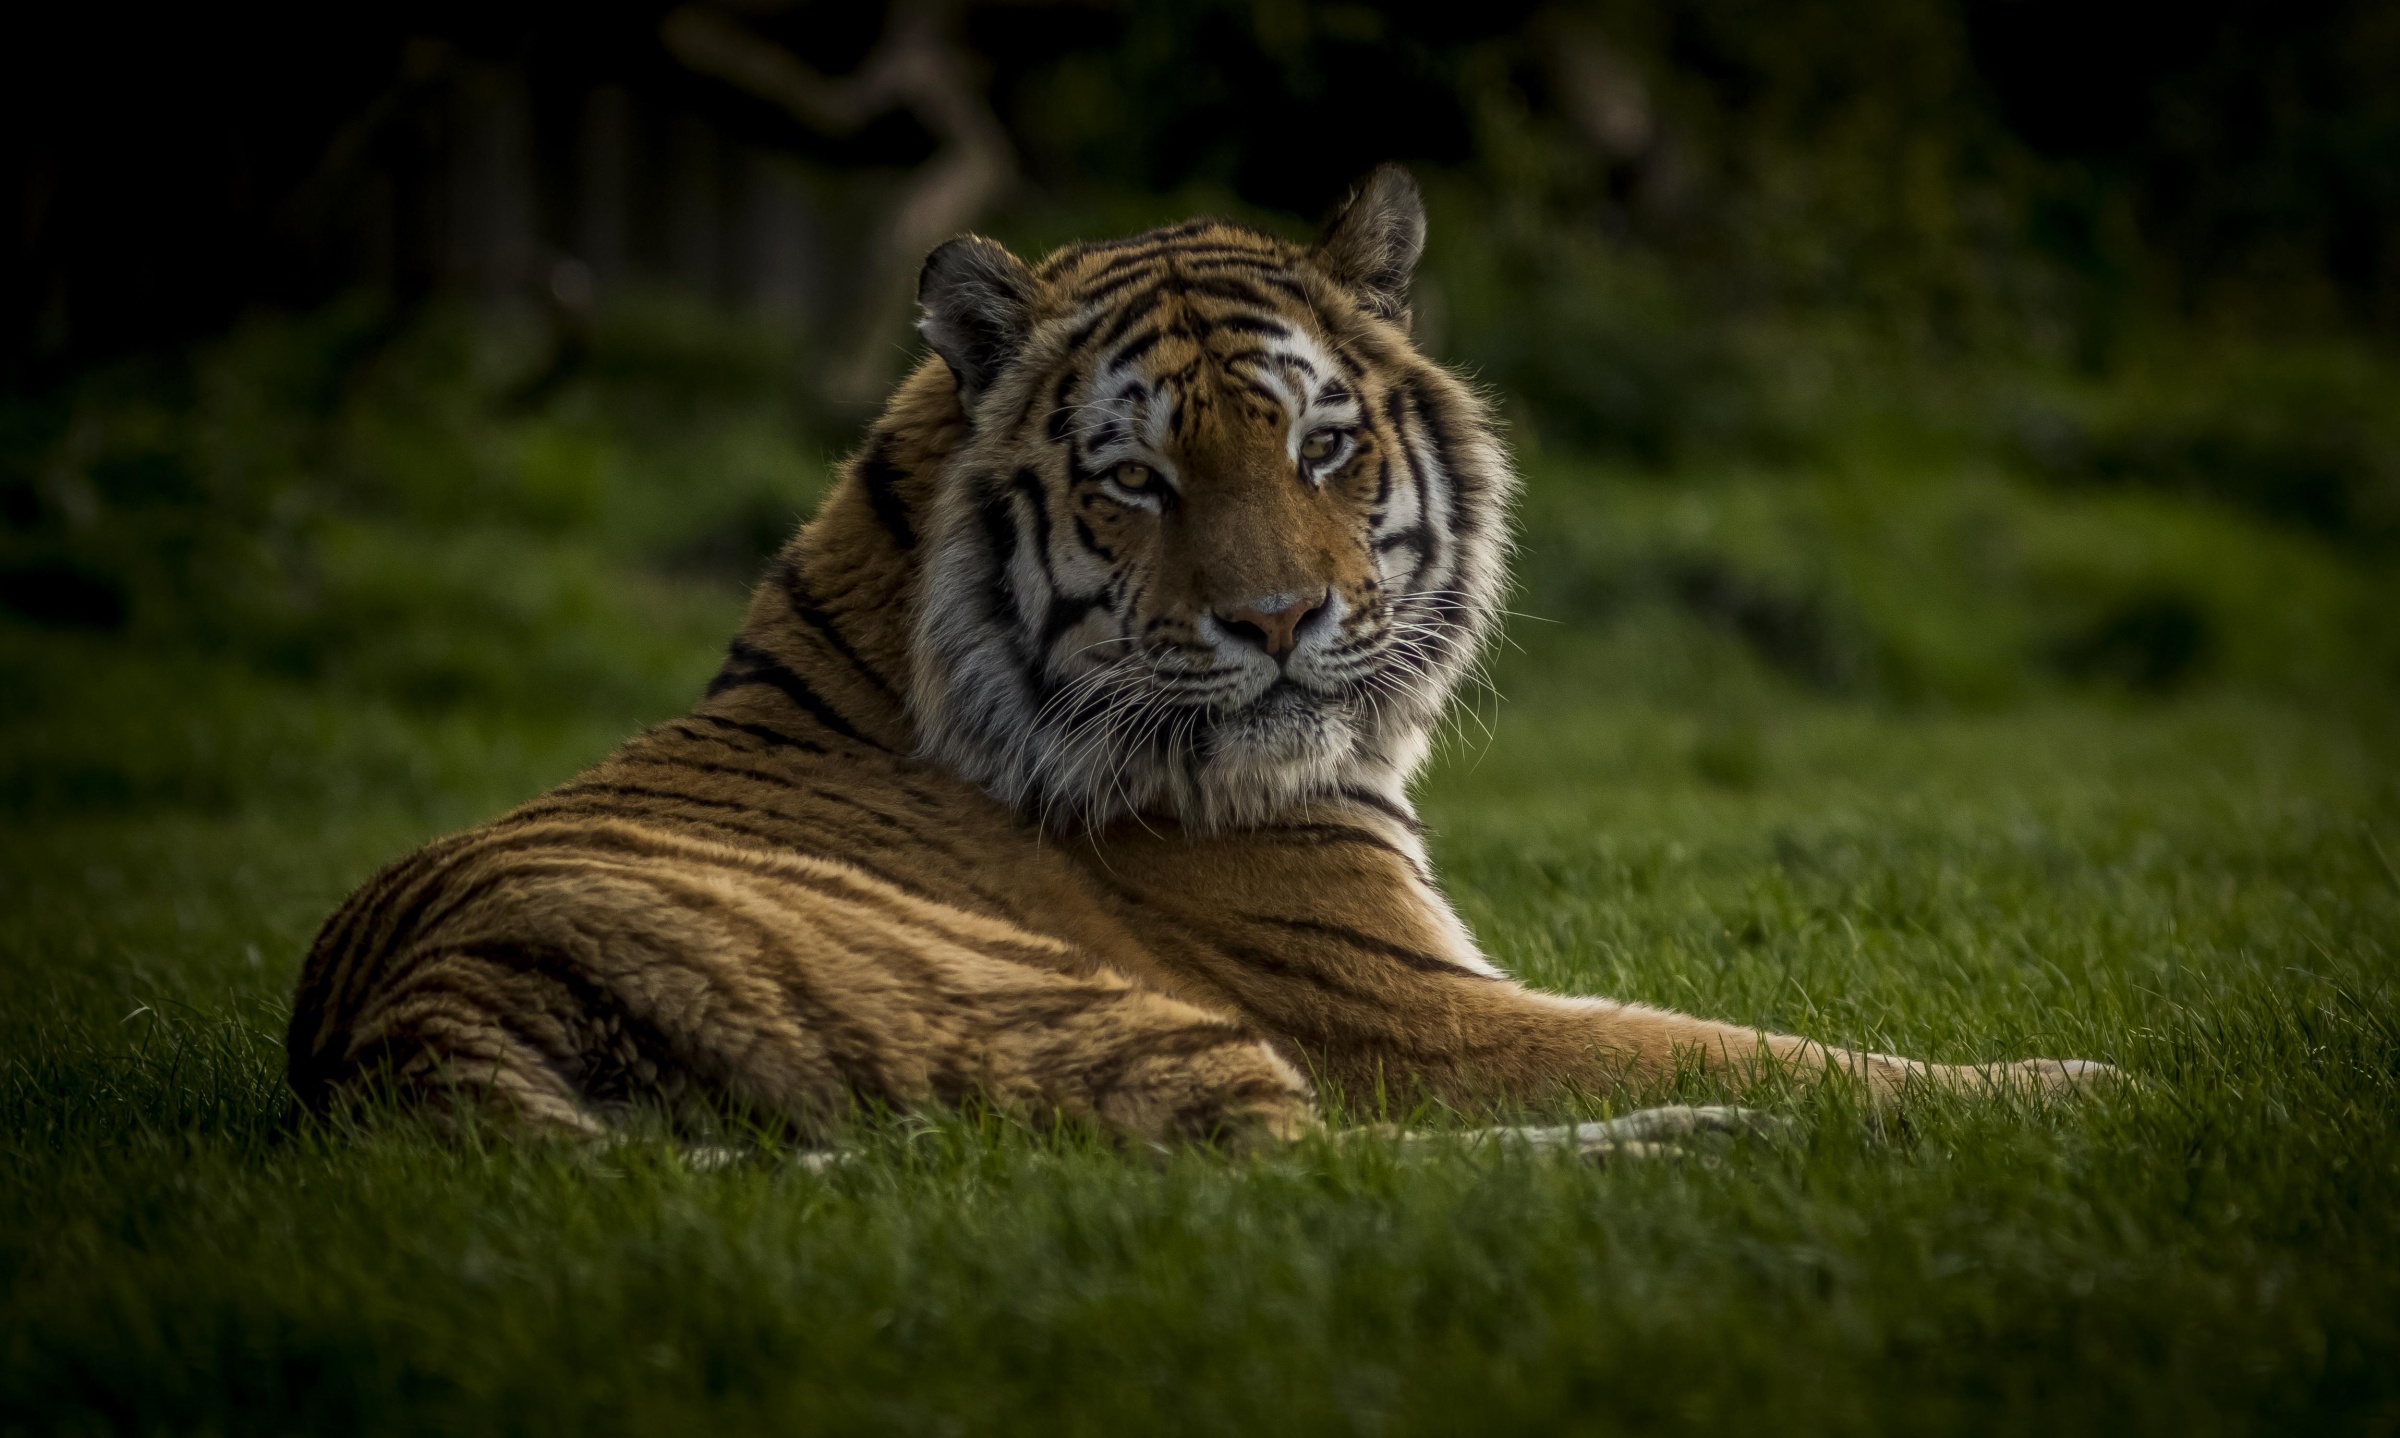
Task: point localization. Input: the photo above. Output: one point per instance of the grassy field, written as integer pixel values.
(1891, 751)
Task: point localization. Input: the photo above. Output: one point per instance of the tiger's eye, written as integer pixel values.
(1135, 478)
(1320, 445)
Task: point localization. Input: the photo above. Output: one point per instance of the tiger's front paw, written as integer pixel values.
(1890, 1080)
(2048, 1077)
(2064, 1076)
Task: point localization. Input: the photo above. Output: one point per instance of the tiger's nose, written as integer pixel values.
(1273, 622)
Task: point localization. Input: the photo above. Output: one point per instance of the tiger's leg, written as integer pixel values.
(1140, 1063)
(1644, 1133)
(805, 997)
(802, 1014)
(1478, 1038)
(464, 1033)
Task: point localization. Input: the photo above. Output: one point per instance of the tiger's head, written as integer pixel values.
(1218, 539)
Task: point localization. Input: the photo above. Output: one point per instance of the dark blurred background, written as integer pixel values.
(323, 323)
(1974, 169)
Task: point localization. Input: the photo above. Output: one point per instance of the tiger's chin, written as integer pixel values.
(1254, 765)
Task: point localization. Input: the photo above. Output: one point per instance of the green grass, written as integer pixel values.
(1902, 815)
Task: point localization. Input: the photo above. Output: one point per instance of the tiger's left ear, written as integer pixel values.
(977, 300)
(1373, 241)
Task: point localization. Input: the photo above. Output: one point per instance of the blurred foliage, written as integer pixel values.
(1919, 574)
(1963, 168)
(2304, 434)
(448, 509)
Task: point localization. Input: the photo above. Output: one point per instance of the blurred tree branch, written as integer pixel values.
(920, 65)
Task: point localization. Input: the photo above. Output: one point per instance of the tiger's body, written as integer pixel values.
(1061, 759)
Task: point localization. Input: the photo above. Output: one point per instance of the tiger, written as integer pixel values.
(1061, 763)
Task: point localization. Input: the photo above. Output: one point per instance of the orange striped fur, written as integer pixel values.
(1061, 759)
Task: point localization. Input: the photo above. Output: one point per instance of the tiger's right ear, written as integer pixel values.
(977, 300)
(1373, 241)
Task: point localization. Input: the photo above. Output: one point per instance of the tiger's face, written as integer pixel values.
(1218, 539)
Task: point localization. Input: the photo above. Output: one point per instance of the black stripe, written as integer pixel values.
(1385, 806)
(1283, 281)
(685, 761)
(781, 843)
(1060, 612)
(1373, 993)
(1133, 312)
(594, 998)
(1144, 247)
(1274, 401)
(1184, 267)
(1082, 333)
(358, 963)
(1365, 942)
(1292, 361)
(774, 738)
(1122, 312)
(1065, 613)
(1139, 265)
(846, 1048)
(362, 916)
(1331, 834)
(795, 589)
(554, 807)
(1136, 347)
(1061, 413)
(881, 479)
(1428, 409)
(429, 923)
(1398, 406)
(778, 781)
(387, 920)
(339, 939)
(345, 962)
(1091, 541)
(1263, 356)
(643, 791)
(1225, 287)
(835, 848)
(1255, 325)
(1261, 959)
(1029, 484)
(747, 665)
(387, 942)
(1150, 239)
(1106, 1070)
(997, 515)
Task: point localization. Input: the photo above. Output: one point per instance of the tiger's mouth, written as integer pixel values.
(1283, 695)
(1286, 696)
(1287, 723)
